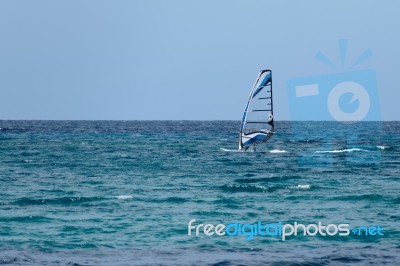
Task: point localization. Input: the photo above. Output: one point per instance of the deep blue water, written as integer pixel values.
(123, 192)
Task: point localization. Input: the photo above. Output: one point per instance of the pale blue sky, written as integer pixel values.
(182, 59)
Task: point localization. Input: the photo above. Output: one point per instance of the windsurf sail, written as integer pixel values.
(258, 117)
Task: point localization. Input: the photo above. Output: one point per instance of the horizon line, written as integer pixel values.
(126, 120)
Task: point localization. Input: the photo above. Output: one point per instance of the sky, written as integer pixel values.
(191, 60)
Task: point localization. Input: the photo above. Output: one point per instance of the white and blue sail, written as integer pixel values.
(258, 117)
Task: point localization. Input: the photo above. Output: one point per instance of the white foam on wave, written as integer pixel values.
(301, 186)
(340, 151)
(277, 151)
(382, 147)
(124, 197)
(228, 150)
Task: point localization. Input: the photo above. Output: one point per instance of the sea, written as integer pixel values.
(130, 192)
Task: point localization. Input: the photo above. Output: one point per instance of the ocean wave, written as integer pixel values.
(306, 186)
(166, 200)
(341, 151)
(396, 201)
(175, 199)
(360, 197)
(56, 201)
(245, 188)
(382, 147)
(277, 151)
(266, 179)
(256, 188)
(28, 219)
(306, 140)
(124, 197)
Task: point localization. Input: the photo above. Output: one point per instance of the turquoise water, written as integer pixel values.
(117, 193)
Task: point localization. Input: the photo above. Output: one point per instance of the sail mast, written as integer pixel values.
(245, 112)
